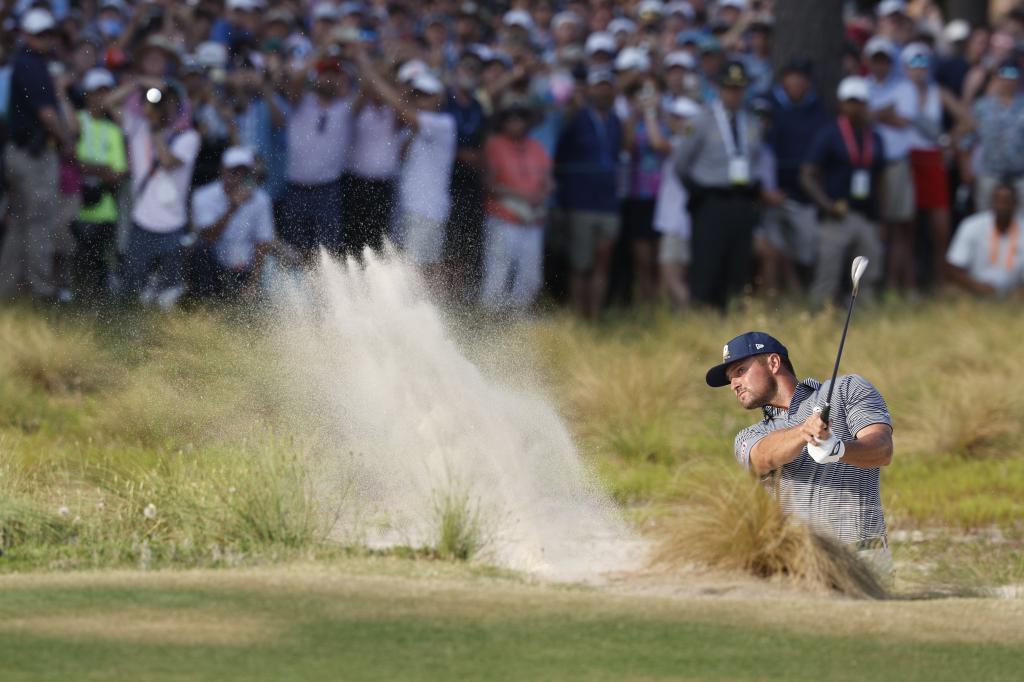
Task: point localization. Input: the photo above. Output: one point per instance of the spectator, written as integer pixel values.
(797, 114)
(843, 175)
(586, 164)
(519, 181)
(716, 163)
(103, 161)
(893, 107)
(465, 224)
(319, 133)
(261, 117)
(927, 151)
(235, 225)
(999, 117)
(671, 219)
(987, 256)
(37, 133)
(368, 186)
(423, 199)
(646, 140)
(161, 160)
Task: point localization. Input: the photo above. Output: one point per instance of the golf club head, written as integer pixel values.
(860, 264)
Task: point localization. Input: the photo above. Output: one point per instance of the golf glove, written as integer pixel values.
(827, 451)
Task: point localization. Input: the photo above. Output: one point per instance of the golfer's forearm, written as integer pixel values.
(776, 449)
(868, 453)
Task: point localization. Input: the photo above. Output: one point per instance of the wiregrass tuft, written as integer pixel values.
(732, 523)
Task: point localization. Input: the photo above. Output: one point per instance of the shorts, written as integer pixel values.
(673, 250)
(931, 184)
(791, 228)
(422, 239)
(899, 192)
(638, 220)
(586, 230)
(68, 208)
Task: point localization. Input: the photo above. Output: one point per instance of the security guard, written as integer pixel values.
(719, 164)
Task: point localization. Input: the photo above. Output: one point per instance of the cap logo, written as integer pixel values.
(725, 352)
(758, 346)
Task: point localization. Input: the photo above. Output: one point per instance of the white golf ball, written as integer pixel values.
(153, 96)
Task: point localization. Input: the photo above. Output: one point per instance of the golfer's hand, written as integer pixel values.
(814, 429)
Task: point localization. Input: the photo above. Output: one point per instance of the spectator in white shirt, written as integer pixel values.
(423, 199)
(987, 255)
(161, 158)
(319, 133)
(894, 105)
(368, 185)
(235, 223)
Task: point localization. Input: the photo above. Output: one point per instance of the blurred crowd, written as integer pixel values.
(590, 152)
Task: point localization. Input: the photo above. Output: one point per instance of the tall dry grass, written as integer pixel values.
(732, 523)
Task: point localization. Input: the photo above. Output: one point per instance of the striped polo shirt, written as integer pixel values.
(838, 499)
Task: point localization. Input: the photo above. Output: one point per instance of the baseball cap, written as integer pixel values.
(518, 17)
(36, 21)
(680, 7)
(741, 348)
(632, 59)
(880, 45)
(683, 107)
(235, 157)
(97, 78)
(243, 5)
(689, 37)
(600, 41)
(957, 30)
(1008, 70)
(916, 56)
(325, 11)
(650, 8)
(889, 7)
(854, 87)
(600, 76)
(680, 58)
(621, 25)
(410, 69)
(428, 84)
(735, 4)
(564, 17)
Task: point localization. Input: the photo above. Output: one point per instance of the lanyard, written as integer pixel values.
(863, 158)
(1013, 235)
(733, 147)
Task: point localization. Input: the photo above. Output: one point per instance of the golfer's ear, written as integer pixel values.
(774, 362)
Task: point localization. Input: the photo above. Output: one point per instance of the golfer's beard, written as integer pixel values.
(753, 401)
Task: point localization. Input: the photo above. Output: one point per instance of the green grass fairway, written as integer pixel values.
(389, 620)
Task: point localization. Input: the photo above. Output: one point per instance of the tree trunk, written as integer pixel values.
(974, 12)
(811, 30)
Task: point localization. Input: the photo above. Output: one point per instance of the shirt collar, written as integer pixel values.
(803, 389)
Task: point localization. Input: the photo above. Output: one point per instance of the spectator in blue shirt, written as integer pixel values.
(586, 162)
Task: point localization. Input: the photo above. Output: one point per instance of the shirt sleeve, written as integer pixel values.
(959, 253)
(746, 440)
(204, 208)
(186, 146)
(263, 230)
(863, 404)
(817, 151)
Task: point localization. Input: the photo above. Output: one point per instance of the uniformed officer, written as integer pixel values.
(719, 164)
(825, 473)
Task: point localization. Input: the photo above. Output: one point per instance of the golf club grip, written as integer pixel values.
(825, 413)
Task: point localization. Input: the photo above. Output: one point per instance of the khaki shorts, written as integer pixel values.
(899, 204)
(68, 208)
(422, 239)
(673, 250)
(586, 230)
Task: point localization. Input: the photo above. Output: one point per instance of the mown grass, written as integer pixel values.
(332, 623)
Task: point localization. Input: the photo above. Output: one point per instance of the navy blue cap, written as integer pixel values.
(741, 348)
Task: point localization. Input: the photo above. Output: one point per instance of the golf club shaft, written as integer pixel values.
(835, 370)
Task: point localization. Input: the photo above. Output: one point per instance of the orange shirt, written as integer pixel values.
(521, 166)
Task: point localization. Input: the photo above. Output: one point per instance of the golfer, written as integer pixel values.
(827, 474)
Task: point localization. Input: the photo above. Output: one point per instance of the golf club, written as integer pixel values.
(860, 264)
